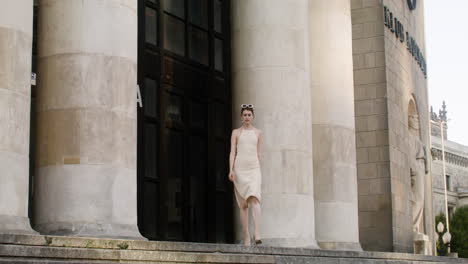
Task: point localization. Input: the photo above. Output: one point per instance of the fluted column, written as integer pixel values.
(271, 70)
(334, 147)
(16, 18)
(86, 183)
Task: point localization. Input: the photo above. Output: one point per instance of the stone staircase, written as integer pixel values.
(56, 249)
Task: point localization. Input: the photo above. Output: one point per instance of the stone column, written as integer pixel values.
(334, 147)
(16, 18)
(271, 70)
(86, 184)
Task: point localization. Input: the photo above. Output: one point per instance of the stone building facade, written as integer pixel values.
(339, 89)
(456, 168)
(391, 120)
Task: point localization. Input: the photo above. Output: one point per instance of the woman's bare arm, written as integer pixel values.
(259, 135)
(232, 154)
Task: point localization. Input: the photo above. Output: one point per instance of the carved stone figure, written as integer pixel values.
(413, 123)
(418, 170)
(418, 174)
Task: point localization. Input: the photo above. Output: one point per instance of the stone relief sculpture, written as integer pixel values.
(418, 170)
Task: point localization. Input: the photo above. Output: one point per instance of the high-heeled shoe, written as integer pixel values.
(258, 242)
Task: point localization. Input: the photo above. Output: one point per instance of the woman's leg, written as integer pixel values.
(244, 217)
(256, 213)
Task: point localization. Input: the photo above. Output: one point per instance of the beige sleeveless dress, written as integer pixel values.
(248, 179)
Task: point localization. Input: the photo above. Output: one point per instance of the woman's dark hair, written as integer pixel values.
(247, 109)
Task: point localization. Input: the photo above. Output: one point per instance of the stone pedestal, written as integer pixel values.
(422, 244)
(87, 77)
(270, 69)
(16, 18)
(334, 148)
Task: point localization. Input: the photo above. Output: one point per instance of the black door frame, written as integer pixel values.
(195, 83)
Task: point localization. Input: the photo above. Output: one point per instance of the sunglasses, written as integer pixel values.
(246, 106)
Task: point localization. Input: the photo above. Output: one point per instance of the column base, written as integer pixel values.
(350, 246)
(16, 225)
(116, 231)
(421, 244)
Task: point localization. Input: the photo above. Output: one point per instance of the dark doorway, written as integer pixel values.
(184, 124)
(33, 117)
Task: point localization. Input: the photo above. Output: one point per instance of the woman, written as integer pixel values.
(244, 171)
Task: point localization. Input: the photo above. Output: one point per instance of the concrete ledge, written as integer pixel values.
(340, 246)
(26, 248)
(16, 225)
(109, 231)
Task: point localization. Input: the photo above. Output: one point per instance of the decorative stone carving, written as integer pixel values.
(413, 123)
(418, 173)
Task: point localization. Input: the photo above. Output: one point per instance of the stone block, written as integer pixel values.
(380, 106)
(385, 153)
(358, 61)
(364, 107)
(369, 60)
(357, 31)
(355, 4)
(366, 139)
(381, 90)
(374, 202)
(367, 171)
(374, 154)
(369, 76)
(383, 170)
(363, 187)
(379, 186)
(366, 219)
(370, 91)
(373, 29)
(366, 45)
(382, 137)
(361, 124)
(377, 122)
(380, 59)
(368, 203)
(368, 14)
(369, 3)
(362, 155)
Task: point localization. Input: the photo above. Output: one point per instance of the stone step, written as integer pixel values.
(126, 255)
(56, 249)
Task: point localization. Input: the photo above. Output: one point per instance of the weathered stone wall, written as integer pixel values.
(370, 93)
(387, 77)
(405, 81)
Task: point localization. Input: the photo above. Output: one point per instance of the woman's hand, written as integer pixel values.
(231, 176)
